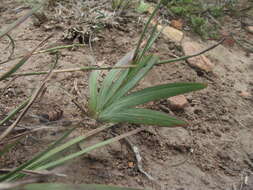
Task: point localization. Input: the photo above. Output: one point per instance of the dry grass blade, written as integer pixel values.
(22, 61)
(49, 50)
(14, 112)
(32, 99)
(74, 70)
(12, 43)
(18, 22)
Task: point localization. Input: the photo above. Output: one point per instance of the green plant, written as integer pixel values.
(200, 16)
(113, 99)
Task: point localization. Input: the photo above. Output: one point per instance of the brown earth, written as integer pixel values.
(218, 144)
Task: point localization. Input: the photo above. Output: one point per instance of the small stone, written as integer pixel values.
(177, 102)
(201, 62)
(250, 29)
(130, 164)
(244, 94)
(171, 33)
(178, 24)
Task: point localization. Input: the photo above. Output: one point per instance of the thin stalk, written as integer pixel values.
(22, 61)
(49, 50)
(119, 67)
(74, 70)
(145, 30)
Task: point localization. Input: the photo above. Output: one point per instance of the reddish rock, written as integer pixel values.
(201, 61)
(177, 102)
(178, 24)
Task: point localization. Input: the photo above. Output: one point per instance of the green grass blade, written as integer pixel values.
(7, 147)
(115, 87)
(153, 94)
(152, 41)
(145, 30)
(45, 156)
(135, 76)
(88, 149)
(57, 186)
(14, 174)
(14, 112)
(22, 61)
(153, 36)
(143, 116)
(111, 77)
(93, 92)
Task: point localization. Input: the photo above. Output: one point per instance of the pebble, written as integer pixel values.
(201, 62)
(177, 102)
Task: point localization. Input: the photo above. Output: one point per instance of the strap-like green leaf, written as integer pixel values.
(111, 77)
(14, 174)
(135, 76)
(93, 91)
(153, 94)
(143, 116)
(57, 186)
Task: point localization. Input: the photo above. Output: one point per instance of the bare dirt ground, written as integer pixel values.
(218, 144)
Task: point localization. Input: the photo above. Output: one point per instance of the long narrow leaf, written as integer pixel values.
(22, 61)
(49, 153)
(115, 87)
(57, 186)
(143, 116)
(13, 174)
(153, 94)
(111, 77)
(14, 112)
(88, 149)
(93, 92)
(145, 29)
(148, 63)
(153, 36)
